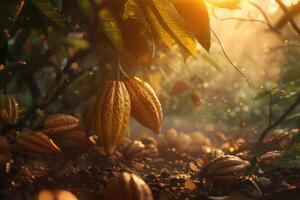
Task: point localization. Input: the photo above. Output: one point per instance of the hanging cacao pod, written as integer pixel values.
(179, 87)
(37, 142)
(112, 108)
(9, 109)
(128, 186)
(57, 123)
(225, 169)
(196, 98)
(73, 141)
(4, 151)
(145, 106)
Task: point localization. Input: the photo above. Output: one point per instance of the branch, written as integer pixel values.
(293, 11)
(265, 16)
(264, 133)
(289, 17)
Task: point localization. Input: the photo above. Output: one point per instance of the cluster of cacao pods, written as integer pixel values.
(60, 133)
(225, 169)
(9, 109)
(109, 115)
(128, 186)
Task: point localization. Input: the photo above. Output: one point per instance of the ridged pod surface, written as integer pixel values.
(9, 109)
(225, 169)
(112, 108)
(145, 106)
(57, 123)
(37, 142)
(128, 186)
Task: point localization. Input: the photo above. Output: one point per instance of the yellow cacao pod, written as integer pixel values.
(57, 123)
(112, 108)
(145, 106)
(9, 109)
(4, 151)
(128, 186)
(37, 142)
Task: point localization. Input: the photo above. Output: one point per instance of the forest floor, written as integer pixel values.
(171, 174)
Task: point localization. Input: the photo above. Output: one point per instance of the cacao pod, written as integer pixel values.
(196, 98)
(128, 186)
(179, 87)
(37, 142)
(58, 123)
(145, 106)
(55, 195)
(225, 169)
(73, 141)
(9, 109)
(112, 108)
(4, 151)
(134, 150)
(269, 157)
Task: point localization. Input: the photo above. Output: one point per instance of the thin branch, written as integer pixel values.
(290, 109)
(265, 16)
(293, 11)
(242, 19)
(289, 17)
(229, 60)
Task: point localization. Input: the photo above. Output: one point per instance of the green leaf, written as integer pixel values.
(294, 116)
(208, 59)
(196, 18)
(290, 158)
(50, 12)
(166, 22)
(111, 28)
(86, 8)
(291, 74)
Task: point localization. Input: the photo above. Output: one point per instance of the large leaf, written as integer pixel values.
(111, 28)
(290, 158)
(166, 22)
(135, 33)
(196, 18)
(229, 4)
(50, 12)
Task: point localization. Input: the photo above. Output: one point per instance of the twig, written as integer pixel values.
(293, 11)
(242, 19)
(265, 16)
(289, 17)
(264, 133)
(229, 60)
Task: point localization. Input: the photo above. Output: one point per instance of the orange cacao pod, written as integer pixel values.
(196, 99)
(128, 186)
(112, 108)
(179, 87)
(9, 109)
(37, 142)
(4, 151)
(58, 123)
(145, 106)
(73, 141)
(225, 169)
